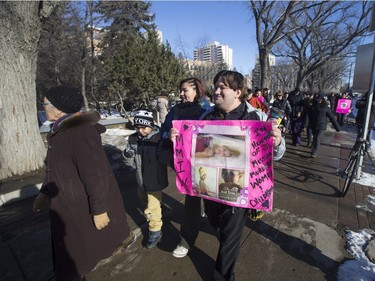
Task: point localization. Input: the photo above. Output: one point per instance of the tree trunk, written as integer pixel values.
(264, 68)
(22, 148)
(299, 79)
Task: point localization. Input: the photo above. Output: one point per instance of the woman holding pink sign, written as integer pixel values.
(343, 107)
(193, 105)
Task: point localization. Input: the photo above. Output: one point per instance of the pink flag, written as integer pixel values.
(230, 162)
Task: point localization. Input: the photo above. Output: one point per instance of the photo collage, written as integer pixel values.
(218, 165)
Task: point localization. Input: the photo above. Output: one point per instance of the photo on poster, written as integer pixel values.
(204, 183)
(231, 184)
(219, 150)
(226, 161)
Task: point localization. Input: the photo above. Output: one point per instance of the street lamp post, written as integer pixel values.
(350, 75)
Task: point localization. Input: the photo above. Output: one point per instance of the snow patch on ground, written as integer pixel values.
(360, 269)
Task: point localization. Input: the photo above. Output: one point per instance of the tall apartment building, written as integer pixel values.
(215, 53)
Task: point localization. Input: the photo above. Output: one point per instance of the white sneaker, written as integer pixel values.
(180, 251)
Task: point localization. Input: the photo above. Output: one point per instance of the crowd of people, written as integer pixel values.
(88, 219)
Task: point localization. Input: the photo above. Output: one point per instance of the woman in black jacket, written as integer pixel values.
(282, 103)
(193, 106)
(317, 120)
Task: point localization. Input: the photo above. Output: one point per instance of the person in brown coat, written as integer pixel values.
(88, 219)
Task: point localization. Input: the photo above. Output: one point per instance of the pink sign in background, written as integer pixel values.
(242, 178)
(343, 106)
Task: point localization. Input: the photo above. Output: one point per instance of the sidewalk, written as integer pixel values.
(302, 239)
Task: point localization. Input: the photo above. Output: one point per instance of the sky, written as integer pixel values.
(193, 22)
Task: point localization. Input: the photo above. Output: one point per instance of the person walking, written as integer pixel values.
(88, 220)
(282, 103)
(146, 154)
(254, 101)
(308, 97)
(162, 107)
(342, 116)
(317, 120)
(228, 220)
(297, 104)
(193, 105)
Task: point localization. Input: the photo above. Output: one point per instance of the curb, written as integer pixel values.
(20, 193)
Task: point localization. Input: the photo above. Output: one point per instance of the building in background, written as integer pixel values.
(98, 35)
(159, 34)
(248, 81)
(203, 70)
(215, 53)
(256, 70)
(283, 77)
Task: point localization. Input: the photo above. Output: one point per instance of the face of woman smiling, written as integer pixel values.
(187, 92)
(225, 98)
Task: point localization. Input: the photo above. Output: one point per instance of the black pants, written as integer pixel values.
(230, 222)
(191, 221)
(340, 118)
(316, 141)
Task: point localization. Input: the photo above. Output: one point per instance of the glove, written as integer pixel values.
(39, 202)
(101, 220)
(129, 152)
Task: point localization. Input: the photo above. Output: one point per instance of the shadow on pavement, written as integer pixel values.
(297, 248)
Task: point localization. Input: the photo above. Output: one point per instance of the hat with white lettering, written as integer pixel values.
(143, 118)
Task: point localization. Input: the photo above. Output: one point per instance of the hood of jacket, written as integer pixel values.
(90, 118)
(155, 130)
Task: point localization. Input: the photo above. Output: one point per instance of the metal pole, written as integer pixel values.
(368, 110)
(350, 74)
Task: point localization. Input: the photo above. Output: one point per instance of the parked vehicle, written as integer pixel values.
(111, 113)
(44, 124)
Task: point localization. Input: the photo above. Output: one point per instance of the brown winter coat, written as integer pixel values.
(80, 184)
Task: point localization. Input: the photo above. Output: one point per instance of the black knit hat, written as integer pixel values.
(66, 99)
(144, 118)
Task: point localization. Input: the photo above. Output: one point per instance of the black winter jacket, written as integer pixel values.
(283, 105)
(297, 103)
(317, 117)
(149, 157)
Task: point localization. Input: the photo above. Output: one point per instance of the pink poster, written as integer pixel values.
(343, 106)
(230, 162)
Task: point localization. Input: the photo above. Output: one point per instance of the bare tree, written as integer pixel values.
(330, 29)
(270, 22)
(328, 77)
(283, 76)
(22, 148)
